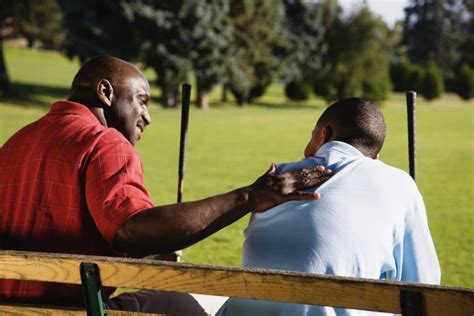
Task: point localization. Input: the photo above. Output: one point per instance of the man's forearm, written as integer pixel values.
(175, 226)
(171, 227)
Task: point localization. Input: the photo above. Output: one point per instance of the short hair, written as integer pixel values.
(357, 122)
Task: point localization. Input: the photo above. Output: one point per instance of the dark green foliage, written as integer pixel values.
(98, 27)
(357, 57)
(467, 46)
(209, 37)
(179, 37)
(6, 13)
(256, 27)
(302, 41)
(465, 82)
(160, 28)
(297, 90)
(40, 22)
(399, 74)
(415, 78)
(433, 31)
(433, 83)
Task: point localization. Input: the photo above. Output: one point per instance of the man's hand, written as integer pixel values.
(272, 189)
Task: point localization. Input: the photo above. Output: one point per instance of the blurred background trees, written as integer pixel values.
(182, 37)
(6, 17)
(358, 56)
(97, 28)
(256, 28)
(437, 41)
(245, 45)
(39, 22)
(302, 55)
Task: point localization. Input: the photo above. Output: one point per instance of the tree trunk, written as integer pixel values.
(30, 42)
(5, 86)
(242, 98)
(169, 96)
(243, 101)
(225, 87)
(203, 101)
(202, 98)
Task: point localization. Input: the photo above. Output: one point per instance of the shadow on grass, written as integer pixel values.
(35, 95)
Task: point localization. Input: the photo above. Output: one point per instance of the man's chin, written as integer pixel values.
(134, 139)
(137, 138)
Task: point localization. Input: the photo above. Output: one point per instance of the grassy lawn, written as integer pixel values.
(229, 147)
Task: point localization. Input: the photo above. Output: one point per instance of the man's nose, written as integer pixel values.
(146, 116)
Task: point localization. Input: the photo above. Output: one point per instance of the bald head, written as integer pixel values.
(116, 92)
(354, 121)
(113, 69)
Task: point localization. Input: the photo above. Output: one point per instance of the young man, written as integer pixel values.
(72, 182)
(370, 221)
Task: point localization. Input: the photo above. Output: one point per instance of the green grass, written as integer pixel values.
(229, 147)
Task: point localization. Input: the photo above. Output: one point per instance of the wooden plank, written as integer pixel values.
(245, 283)
(36, 310)
(32, 310)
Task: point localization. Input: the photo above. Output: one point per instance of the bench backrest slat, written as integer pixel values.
(27, 310)
(236, 282)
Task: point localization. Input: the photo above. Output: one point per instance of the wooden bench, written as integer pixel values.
(394, 297)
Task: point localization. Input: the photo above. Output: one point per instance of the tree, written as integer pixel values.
(399, 74)
(432, 86)
(465, 82)
(297, 90)
(433, 32)
(209, 41)
(416, 76)
(98, 27)
(183, 36)
(6, 16)
(39, 21)
(163, 45)
(467, 46)
(256, 27)
(303, 35)
(357, 58)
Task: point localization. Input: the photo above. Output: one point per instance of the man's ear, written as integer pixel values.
(328, 133)
(105, 92)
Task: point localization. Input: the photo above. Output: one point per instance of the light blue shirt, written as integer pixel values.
(370, 222)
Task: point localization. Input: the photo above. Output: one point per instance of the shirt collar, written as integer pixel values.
(336, 151)
(69, 107)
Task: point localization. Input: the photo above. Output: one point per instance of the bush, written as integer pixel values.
(376, 86)
(465, 82)
(433, 84)
(399, 74)
(297, 91)
(415, 78)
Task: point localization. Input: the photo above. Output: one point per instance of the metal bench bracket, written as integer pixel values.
(90, 279)
(411, 303)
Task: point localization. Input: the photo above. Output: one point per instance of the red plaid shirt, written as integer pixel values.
(67, 184)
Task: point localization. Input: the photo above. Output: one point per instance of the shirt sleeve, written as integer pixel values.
(114, 185)
(420, 262)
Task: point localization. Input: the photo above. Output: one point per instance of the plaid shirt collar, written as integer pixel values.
(69, 107)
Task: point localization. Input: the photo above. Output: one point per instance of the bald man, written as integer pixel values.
(72, 182)
(370, 222)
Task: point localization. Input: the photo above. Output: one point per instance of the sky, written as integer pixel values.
(389, 10)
